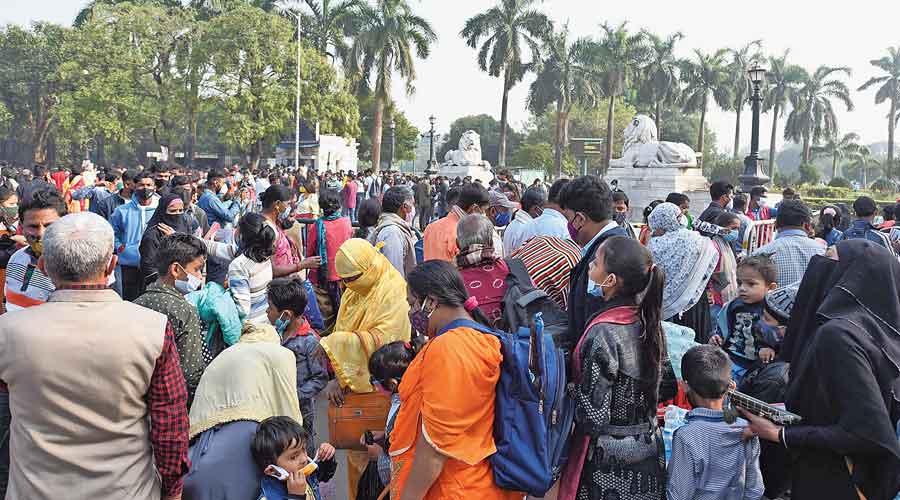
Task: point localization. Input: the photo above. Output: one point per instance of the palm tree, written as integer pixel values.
(327, 24)
(812, 117)
(660, 83)
(863, 160)
(389, 34)
(708, 77)
(783, 80)
(889, 90)
(620, 55)
(564, 79)
(837, 149)
(509, 28)
(741, 61)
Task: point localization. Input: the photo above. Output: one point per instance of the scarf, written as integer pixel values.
(252, 380)
(321, 244)
(687, 258)
(725, 281)
(476, 254)
(409, 255)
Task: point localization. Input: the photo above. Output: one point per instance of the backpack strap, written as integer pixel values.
(520, 273)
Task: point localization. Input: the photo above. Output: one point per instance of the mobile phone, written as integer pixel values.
(277, 472)
(369, 438)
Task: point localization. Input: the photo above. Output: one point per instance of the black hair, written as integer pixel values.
(144, 174)
(6, 193)
(827, 222)
(288, 294)
(677, 199)
(440, 280)
(76, 170)
(369, 212)
(129, 175)
(896, 211)
(452, 196)
(649, 209)
(788, 193)
(275, 193)
(758, 191)
(257, 237)
(273, 436)
(181, 180)
(179, 247)
(792, 213)
(215, 173)
(39, 171)
(42, 199)
(739, 202)
(330, 202)
(632, 263)
(555, 189)
(707, 370)
(589, 195)
(533, 197)
(763, 265)
(719, 189)
(473, 194)
(391, 360)
(888, 212)
(393, 199)
(864, 206)
(620, 196)
(726, 218)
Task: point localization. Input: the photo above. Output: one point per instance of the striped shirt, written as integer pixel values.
(248, 282)
(26, 285)
(549, 261)
(710, 461)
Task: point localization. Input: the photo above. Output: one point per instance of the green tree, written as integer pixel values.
(490, 131)
(390, 32)
(660, 85)
(564, 79)
(837, 149)
(812, 118)
(707, 77)
(683, 127)
(783, 80)
(509, 29)
(862, 161)
(85, 14)
(889, 90)
(406, 136)
(619, 56)
(809, 174)
(742, 60)
(327, 24)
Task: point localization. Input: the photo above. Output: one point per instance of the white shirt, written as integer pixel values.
(550, 223)
(513, 235)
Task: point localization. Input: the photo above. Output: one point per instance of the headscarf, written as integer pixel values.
(252, 380)
(179, 223)
(842, 293)
(373, 312)
(688, 259)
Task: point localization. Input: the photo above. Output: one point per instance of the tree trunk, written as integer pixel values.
(557, 150)
(737, 133)
(702, 129)
(890, 151)
(376, 133)
(806, 148)
(775, 112)
(865, 178)
(657, 120)
(501, 160)
(834, 171)
(101, 149)
(609, 133)
(256, 153)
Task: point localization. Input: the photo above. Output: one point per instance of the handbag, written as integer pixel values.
(359, 413)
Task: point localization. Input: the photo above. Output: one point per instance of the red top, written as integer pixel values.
(336, 233)
(487, 283)
(349, 194)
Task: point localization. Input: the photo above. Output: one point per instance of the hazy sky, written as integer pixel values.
(449, 84)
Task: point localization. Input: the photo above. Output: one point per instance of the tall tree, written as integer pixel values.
(508, 28)
(888, 91)
(619, 57)
(565, 79)
(863, 160)
(390, 32)
(783, 80)
(812, 118)
(85, 14)
(742, 60)
(836, 148)
(707, 77)
(327, 23)
(660, 83)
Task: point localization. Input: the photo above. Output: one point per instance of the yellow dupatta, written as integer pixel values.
(373, 310)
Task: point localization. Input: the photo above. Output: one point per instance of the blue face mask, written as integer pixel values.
(502, 218)
(731, 237)
(281, 325)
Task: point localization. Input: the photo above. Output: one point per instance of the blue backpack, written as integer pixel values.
(531, 409)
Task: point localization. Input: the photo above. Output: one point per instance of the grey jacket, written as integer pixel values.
(311, 374)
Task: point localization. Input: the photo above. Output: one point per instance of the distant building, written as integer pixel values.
(321, 152)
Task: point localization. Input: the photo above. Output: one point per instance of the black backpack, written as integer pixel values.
(523, 300)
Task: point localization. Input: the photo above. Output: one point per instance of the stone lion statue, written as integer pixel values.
(469, 152)
(642, 148)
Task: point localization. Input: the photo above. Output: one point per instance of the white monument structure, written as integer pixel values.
(466, 161)
(650, 170)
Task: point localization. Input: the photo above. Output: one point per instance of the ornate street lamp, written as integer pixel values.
(393, 126)
(754, 174)
(432, 163)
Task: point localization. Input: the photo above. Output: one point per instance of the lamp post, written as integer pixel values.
(431, 170)
(754, 175)
(393, 126)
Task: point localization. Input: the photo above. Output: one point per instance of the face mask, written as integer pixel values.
(286, 213)
(120, 186)
(281, 325)
(11, 212)
(159, 183)
(502, 219)
(223, 190)
(573, 231)
(731, 237)
(597, 291)
(411, 216)
(192, 284)
(621, 218)
(237, 240)
(144, 194)
(762, 201)
(419, 319)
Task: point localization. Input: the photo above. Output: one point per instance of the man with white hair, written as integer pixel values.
(394, 229)
(96, 391)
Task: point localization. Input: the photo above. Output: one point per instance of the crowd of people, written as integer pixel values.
(167, 332)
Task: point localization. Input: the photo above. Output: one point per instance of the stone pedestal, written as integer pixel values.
(645, 184)
(482, 172)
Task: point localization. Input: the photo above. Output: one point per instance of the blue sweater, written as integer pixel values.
(129, 222)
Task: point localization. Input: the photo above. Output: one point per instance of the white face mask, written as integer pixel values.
(223, 190)
(411, 216)
(192, 284)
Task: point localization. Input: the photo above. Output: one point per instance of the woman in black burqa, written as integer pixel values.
(170, 212)
(843, 344)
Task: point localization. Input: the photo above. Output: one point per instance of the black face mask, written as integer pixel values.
(144, 194)
(159, 183)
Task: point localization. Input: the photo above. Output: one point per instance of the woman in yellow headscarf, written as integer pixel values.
(373, 312)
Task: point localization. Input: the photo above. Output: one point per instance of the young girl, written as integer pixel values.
(618, 365)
